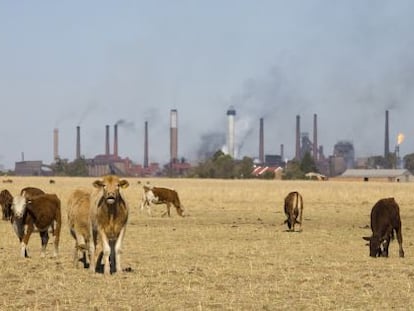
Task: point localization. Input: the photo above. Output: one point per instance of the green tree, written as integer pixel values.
(244, 168)
(308, 164)
(293, 170)
(77, 168)
(409, 162)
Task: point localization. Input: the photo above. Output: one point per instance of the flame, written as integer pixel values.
(400, 138)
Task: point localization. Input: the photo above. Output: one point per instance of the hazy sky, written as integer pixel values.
(93, 63)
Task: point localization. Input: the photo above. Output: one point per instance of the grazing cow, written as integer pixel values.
(109, 215)
(159, 195)
(79, 221)
(52, 181)
(293, 210)
(38, 212)
(385, 219)
(6, 201)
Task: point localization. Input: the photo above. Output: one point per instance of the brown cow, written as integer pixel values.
(385, 219)
(293, 210)
(6, 201)
(40, 212)
(159, 195)
(79, 221)
(109, 215)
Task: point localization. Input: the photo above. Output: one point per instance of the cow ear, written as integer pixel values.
(97, 184)
(367, 238)
(123, 183)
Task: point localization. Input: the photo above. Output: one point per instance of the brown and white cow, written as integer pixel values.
(293, 210)
(79, 221)
(6, 201)
(109, 215)
(159, 195)
(385, 219)
(39, 212)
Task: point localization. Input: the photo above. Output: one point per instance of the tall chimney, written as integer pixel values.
(173, 136)
(261, 142)
(55, 144)
(315, 137)
(297, 153)
(282, 152)
(78, 152)
(146, 145)
(231, 113)
(387, 137)
(107, 141)
(116, 140)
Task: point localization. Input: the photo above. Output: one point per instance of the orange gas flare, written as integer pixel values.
(400, 138)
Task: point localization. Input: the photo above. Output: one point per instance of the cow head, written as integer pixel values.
(110, 186)
(19, 206)
(18, 209)
(378, 247)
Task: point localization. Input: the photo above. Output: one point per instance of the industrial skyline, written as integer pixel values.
(64, 65)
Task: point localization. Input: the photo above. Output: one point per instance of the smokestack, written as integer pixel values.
(78, 152)
(261, 142)
(282, 152)
(173, 136)
(297, 153)
(55, 144)
(146, 145)
(387, 137)
(116, 140)
(107, 141)
(315, 137)
(231, 113)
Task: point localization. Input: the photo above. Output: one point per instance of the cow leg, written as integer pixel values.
(44, 237)
(118, 249)
(56, 232)
(92, 248)
(25, 240)
(400, 240)
(106, 252)
(300, 217)
(168, 209)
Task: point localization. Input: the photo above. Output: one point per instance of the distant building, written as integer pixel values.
(31, 168)
(391, 175)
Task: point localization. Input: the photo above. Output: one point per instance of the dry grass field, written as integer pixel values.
(231, 252)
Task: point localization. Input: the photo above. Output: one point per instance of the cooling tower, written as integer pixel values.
(116, 140)
(78, 152)
(297, 152)
(55, 144)
(173, 136)
(146, 145)
(387, 137)
(107, 140)
(231, 113)
(261, 142)
(315, 137)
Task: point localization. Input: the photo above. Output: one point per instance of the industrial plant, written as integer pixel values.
(341, 159)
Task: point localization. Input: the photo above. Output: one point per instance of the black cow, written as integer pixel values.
(385, 219)
(6, 201)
